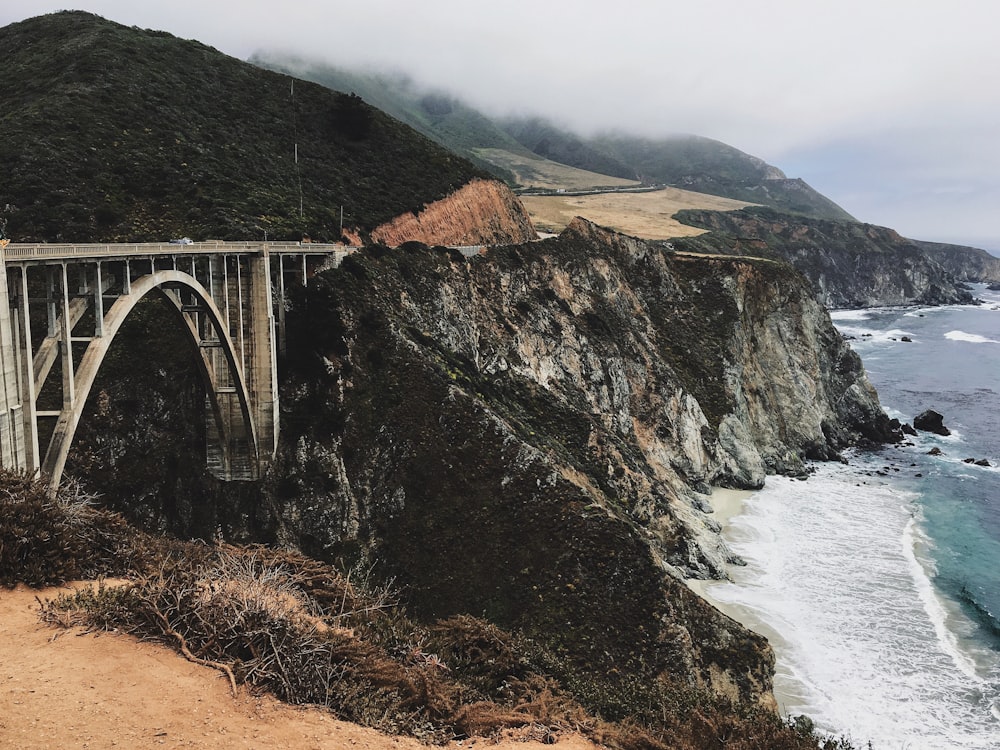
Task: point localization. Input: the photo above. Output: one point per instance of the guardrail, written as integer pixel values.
(23, 252)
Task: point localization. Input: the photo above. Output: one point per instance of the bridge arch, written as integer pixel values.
(236, 438)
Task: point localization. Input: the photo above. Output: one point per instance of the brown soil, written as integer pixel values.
(73, 689)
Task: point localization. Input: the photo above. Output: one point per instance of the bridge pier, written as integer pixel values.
(12, 440)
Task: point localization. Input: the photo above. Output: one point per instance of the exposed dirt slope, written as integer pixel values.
(483, 212)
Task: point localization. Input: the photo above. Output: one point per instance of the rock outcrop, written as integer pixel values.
(482, 212)
(931, 421)
(525, 434)
(849, 264)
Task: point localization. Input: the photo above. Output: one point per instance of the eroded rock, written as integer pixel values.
(931, 421)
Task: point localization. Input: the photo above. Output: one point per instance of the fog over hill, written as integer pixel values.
(685, 161)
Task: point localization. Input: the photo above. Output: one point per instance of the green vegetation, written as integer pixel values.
(707, 166)
(436, 114)
(684, 161)
(559, 145)
(110, 133)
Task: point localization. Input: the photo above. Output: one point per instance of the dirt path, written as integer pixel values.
(69, 689)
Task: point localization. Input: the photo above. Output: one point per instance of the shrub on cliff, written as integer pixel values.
(309, 635)
(49, 539)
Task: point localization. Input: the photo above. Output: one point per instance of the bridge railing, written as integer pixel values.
(29, 252)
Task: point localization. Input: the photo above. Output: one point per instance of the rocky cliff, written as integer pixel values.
(482, 212)
(963, 262)
(849, 264)
(527, 435)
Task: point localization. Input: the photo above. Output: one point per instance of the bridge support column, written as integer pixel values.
(26, 364)
(12, 452)
(231, 448)
(263, 358)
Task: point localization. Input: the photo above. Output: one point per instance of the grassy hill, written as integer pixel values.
(436, 114)
(115, 133)
(684, 161)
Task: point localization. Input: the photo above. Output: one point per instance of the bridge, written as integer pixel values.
(62, 305)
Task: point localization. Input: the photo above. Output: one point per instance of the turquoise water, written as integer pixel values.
(881, 580)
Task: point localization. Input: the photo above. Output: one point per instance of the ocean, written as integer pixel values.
(878, 582)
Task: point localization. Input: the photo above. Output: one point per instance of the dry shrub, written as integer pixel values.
(254, 614)
(48, 539)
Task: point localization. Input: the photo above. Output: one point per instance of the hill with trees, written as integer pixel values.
(112, 133)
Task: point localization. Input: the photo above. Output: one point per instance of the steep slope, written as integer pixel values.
(115, 133)
(483, 212)
(849, 264)
(438, 115)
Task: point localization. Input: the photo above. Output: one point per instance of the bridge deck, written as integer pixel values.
(41, 252)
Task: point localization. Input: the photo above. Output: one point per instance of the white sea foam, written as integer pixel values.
(866, 647)
(850, 314)
(874, 335)
(922, 568)
(972, 338)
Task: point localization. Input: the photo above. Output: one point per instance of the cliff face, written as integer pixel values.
(522, 434)
(849, 264)
(964, 263)
(482, 212)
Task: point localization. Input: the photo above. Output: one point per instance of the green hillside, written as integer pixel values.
(684, 161)
(436, 114)
(116, 133)
(557, 144)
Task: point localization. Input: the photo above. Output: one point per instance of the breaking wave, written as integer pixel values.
(972, 338)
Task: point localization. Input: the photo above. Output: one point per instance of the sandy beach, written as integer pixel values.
(728, 504)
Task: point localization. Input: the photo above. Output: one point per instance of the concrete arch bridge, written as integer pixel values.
(62, 305)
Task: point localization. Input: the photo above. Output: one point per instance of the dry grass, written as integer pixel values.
(645, 215)
(278, 621)
(536, 172)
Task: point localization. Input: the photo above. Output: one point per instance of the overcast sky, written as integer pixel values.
(889, 107)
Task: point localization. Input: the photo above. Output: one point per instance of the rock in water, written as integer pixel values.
(931, 421)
